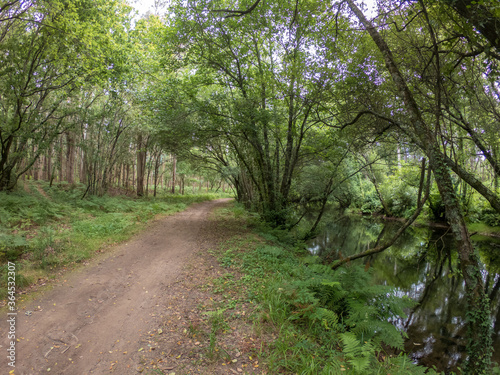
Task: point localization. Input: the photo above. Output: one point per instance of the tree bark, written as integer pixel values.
(141, 165)
(48, 163)
(174, 166)
(83, 167)
(61, 158)
(127, 175)
(474, 182)
(70, 158)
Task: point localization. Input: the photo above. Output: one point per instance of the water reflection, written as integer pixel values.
(423, 265)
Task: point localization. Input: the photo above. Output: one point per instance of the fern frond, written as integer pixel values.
(328, 319)
(358, 355)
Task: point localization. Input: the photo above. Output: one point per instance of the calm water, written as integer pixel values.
(422, 265)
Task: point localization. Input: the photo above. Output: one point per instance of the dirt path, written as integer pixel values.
(95, 321)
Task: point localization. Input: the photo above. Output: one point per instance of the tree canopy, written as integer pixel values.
(296, 105)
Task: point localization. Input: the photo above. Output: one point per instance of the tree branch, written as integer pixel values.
(237, 13)
(379, 249)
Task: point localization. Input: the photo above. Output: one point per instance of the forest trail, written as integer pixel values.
(93, 321)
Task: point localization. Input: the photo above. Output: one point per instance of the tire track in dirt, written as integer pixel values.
(92, 323)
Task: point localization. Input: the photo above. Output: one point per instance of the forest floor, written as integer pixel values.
(145, 306)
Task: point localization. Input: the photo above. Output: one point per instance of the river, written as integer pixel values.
(422, 265)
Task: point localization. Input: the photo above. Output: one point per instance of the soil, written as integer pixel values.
(138, 308)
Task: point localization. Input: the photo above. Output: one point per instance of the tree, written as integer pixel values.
(262, 90)
(53, 51)
(424, 136)
(484, 15)
(105, 132)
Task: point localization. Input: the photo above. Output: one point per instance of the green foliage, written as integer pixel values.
(436, 207)
(490, 217)
(217, 324)
(11, 246)
(358, 354)
(21, 280)
(105, 225)
(42, 232)
(364, 196)
(22, 210)
(353, 303)
(326, 321)
(53, 51)
(402, 365)
(479, 338)
(480, 211)
(402, 199)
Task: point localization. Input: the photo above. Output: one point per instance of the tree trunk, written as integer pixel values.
(162, 168)
(127, 175)
(118, 175)
(35, 165)
(156, 171)
(174, 166)
(48, 163)
(60, 159)
(479, 346)
(133, 174)
(475, 183)
(45, 173)
(147, 181)
(70, 158)
(83, 167)
(141, 165)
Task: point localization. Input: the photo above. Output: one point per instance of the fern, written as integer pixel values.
(359, 355)
(402, 365)
(328, 319)
(333, 367)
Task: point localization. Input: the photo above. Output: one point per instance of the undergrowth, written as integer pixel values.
(325, 321)
(50, 227)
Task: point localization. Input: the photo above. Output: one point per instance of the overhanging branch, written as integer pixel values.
(237, 13)
(379, 249)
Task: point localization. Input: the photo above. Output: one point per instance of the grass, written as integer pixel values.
(43, 228)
